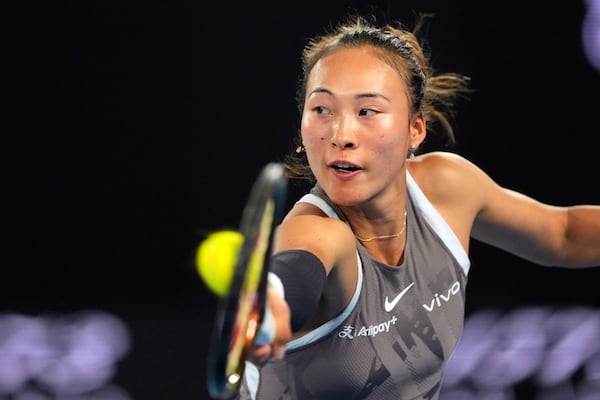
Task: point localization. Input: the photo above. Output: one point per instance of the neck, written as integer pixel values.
(384, 237)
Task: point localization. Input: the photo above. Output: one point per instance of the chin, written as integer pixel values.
(346, 197)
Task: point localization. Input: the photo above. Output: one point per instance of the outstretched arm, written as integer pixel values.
(544, 234)
(476, 206)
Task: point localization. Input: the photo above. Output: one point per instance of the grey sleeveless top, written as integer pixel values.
(396, 335)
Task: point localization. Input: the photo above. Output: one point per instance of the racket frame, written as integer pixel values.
(234, 332)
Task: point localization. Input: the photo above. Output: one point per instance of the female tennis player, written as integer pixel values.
(369, 269)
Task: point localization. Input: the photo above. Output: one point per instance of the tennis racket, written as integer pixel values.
(241, 311)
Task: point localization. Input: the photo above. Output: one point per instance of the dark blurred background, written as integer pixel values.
(132, 129)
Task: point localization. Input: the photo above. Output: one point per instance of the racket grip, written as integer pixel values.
(266, 332)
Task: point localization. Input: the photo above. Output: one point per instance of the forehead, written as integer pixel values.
(358, 69)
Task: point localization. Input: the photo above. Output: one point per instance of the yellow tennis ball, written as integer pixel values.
(216, 257)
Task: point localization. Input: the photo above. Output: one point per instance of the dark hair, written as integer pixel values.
(431, 94)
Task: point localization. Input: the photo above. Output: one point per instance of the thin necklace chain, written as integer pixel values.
(395, 235)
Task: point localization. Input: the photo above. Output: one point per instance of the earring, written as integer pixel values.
(300, 149)
(411, 154)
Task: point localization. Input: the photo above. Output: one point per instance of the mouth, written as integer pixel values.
(344, 166)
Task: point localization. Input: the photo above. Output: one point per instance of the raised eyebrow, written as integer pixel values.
(372, 95)
(321, 90)
(358, 96)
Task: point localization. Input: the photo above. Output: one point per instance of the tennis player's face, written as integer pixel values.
(356, 126)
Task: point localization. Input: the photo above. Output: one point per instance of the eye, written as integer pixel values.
(367, 112)
(321, 110)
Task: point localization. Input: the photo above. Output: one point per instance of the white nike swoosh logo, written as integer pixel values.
(389, 305)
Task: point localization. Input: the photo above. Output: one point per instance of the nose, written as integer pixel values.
(343, 134)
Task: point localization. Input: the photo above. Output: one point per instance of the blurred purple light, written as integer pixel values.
(591, 33)
(548, 347)
(579, 341)
(473, 346)
(67, 355)
(517, 337)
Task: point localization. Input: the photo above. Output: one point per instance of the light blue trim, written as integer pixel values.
(437, 223)
(318, 202)
(252, 377)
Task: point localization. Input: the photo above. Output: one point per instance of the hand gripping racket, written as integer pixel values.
(241, 311)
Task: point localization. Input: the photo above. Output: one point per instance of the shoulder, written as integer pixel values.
(439, 162)
(307, 227)
(444, 176)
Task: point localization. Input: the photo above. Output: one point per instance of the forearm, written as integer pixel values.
(300, 276)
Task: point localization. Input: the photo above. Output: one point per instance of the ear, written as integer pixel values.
(418, 130)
